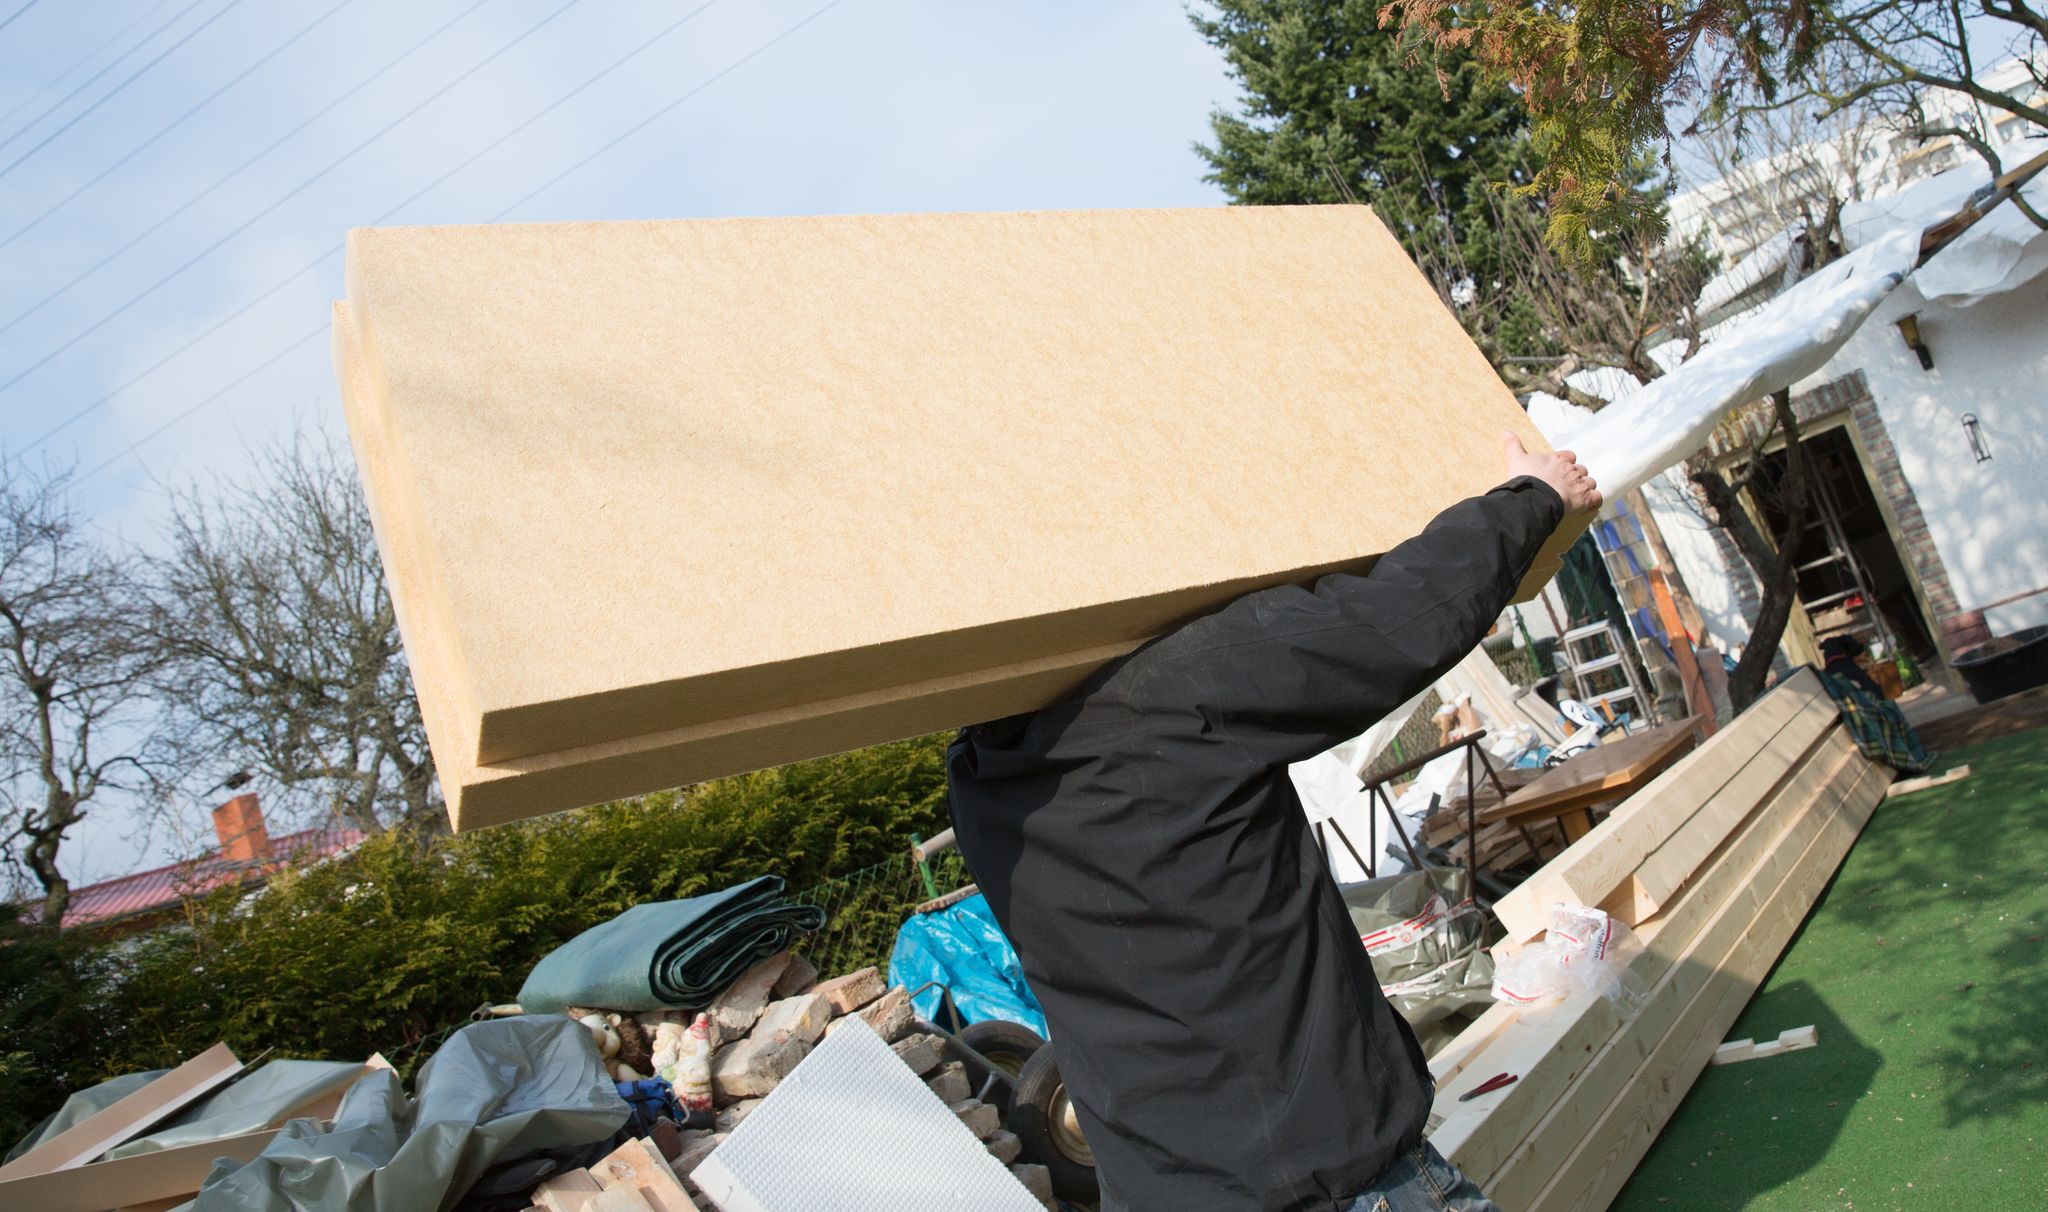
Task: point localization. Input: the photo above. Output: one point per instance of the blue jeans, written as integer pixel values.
(1422, 1181)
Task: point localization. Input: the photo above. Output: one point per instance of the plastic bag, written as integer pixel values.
(1585, 951)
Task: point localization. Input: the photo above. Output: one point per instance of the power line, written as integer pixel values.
(294, 192)
(236, 171)
(552, 181)
(247, 375)
(17, 12)
(663, 112)
(82, 60)
(92, 79)
(408, 200)
(111, 93)
(209, 99)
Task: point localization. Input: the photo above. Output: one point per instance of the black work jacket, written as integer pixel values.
(1214, 1016)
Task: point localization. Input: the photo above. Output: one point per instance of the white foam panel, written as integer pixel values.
(853, 1129)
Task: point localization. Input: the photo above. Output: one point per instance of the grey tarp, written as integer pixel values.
(1425, 938)
(668, 953)
(255, 1101)
(496, 1091)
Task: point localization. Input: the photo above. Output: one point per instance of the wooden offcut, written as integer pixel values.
(129, 1116)
(669, 500)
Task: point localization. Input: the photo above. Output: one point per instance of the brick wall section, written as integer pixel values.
(1959, 628)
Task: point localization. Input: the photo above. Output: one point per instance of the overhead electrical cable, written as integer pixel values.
(16, 13)
(178, 121)
(61, 102)
(294, 192)
(81, 61)
(323, 327)
(115, 91)
(238, 169)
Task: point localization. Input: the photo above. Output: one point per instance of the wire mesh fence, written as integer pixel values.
(864, 908)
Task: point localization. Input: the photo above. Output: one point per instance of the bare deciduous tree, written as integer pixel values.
(282, 652)
(77, 663)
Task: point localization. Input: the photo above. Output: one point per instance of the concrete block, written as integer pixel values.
(889, 1016)
(1004, 1145)
(850, 992)
(734, 1011)
(979, 1117)
(1038, 1181)
(921, 1052)
(797, 978)
(802, 1017)
(753, 1066)
(950, 1083)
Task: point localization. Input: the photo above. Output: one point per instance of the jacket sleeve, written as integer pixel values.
(1285, 673)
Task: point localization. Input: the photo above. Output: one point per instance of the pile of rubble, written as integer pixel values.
(769, 1019)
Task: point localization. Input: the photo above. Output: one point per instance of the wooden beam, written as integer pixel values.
(1551, 1046)
(1593, 867)
(1602, 1143)
(1909, 786)
(1735, 1051)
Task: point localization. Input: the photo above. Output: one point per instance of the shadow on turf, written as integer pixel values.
(1767, 1121)
(1947, 859)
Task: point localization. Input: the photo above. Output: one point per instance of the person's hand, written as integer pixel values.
(1560, 469)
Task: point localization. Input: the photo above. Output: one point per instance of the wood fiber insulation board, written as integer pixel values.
(1552, 1047)
(1613, 1142)
(129, 1116)
(173, 1174)
(663, 501)
(1592, 869)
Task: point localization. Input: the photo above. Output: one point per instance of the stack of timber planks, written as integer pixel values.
(1715, 864)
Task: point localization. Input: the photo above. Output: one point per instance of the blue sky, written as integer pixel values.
(875, 105)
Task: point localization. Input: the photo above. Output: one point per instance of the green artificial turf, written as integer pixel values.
(1925, 969)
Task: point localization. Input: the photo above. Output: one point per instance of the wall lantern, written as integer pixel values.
(1909, 328)
(1974, 431)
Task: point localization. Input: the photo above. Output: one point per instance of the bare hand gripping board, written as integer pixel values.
(664, 501)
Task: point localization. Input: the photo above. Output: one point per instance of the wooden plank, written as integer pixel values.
(1452, 1059)
(128, 1117)
(1666, 869)
(568, 1191)
(1617, 1062)
(639, 1166)
(1554, 1045)
(172, 1174)
(1793, 1039)
(1601, 1140)
(1909, 786)
(1590, 777)
(617, 1199)
(1592, 868)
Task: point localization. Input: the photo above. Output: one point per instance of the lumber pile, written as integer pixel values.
(1715, 864)
(665, 501)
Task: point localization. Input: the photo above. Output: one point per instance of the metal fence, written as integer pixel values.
(864, 908)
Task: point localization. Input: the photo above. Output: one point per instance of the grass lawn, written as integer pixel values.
(1925, 968)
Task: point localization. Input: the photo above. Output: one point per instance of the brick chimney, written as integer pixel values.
(239, 824)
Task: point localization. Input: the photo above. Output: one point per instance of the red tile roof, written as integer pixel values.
(163, 887)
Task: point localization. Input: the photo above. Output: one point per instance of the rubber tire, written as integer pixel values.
(1038, 1083)
(1006, 1044)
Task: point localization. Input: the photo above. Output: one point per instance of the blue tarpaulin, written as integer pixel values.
(963, 949)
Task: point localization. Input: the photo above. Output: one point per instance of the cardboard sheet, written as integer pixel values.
(664, 501)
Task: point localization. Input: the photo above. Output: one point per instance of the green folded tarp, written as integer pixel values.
(669, 953)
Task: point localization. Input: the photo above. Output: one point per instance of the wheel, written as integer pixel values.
(1006, 1045)
(1044, 1122)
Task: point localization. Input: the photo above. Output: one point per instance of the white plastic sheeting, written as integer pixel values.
(1646, 430)
(1329, 783)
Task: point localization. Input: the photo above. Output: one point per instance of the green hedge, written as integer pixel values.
(388, 948)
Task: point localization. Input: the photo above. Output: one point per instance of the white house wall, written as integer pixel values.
(1988, 521)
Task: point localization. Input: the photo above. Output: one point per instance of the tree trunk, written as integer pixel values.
(1771, 561)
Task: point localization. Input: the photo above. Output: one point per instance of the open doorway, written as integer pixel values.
(1852, 579)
